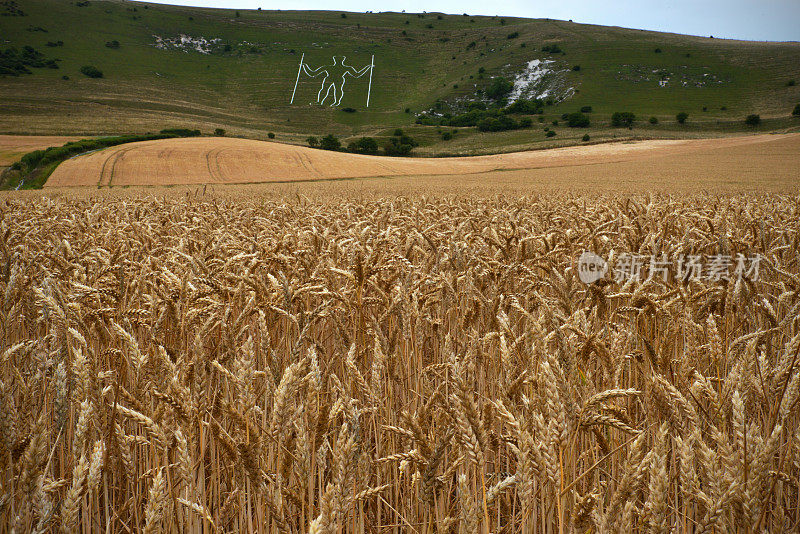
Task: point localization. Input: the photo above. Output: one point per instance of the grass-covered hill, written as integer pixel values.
(209, 68)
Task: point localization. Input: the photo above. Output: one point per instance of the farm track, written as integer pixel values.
(703, 163)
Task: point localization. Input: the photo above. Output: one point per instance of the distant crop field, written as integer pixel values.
(766, 162)
(12, 147)
(186, 361)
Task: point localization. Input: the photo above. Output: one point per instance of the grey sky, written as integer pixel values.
(760, 20)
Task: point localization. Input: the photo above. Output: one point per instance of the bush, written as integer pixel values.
(512, 35)
(555, 123)
(585, 137)
(181, 132)
(753, 120)
(396, 147)
(344, 15)
(653, 120)
(398, 132)
(271, 135)
(550, 133)
(586, 109)
(525, 122)
(796, 111)
(622, 118)
(499, 89)
(525, 107)
(791, 83)
(576, 68)
(219, 132)
(365, 145)
(114, 45)
(408, 110)
(91, 71)
(577, 120)
(497, 124)
(330, 142)
(552, 49)
(681, 117)
(447, 136)
(349, 110)
(657, 50)
(312, 141)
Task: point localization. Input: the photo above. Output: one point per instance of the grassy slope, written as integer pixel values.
(146, 89)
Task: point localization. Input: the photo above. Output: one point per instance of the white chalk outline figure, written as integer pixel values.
(334, 78)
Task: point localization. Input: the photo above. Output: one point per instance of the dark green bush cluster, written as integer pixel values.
(14, 62)
(499, 88)
(513, 35)
(552, 49)
(91, 71)
(494, 119)
(622, 119)
(399, 144)
(180, 132)
(54, 44)
(10, 8)
(753, 120)
(681, 117)
(114, 45)
(796, 111)
(577, 120)
(365, 145)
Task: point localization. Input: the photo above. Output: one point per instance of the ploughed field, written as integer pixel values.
(750, 162)
(266, 363)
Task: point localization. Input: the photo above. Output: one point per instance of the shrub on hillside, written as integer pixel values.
(497, 124)
(219, 132)
(396, 147)
(91, 71)
(753, 120)
(796, 111)
(312, 141)
(512, 35)
(681, 117)
(653, 120)
(447, 136)
(365, 145)
(577, 120)
(550, 133)
(330, 142)
(585, 137)
(526, 107)
(114, 45)
(271, 135)
(499, 89)
(586, 109)
(349, 110)
(576, 68)
(181, 132)
(525, 122)
(552, 49)
(622, 119)
(791, 83)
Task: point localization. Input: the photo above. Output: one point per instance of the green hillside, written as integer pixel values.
(245, 81)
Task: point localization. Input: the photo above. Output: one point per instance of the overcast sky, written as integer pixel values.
(761, 20)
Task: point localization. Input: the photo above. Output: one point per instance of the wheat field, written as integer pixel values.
(188, 363)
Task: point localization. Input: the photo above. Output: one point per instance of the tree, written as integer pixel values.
(577, 120)
(753, 120)
(550, 133)
(91, 72)
(681, 117)
(365, 145)
(396, 147)
(622, 118)
(271, 135)
(796, 111)
(586, 109)
(219, 132)
(330, 142)
(585, 137)
(312, 141)
(499, 89)
(653, 120)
